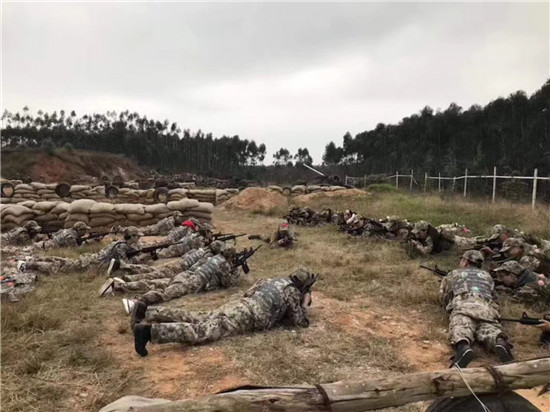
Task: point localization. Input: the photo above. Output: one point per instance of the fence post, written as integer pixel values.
(465, 181)
(439, 183)
(425, 181)
(365, 182)
(396, 179)
(411, 185)
(494, 183)
(534, 189)
(454, 183)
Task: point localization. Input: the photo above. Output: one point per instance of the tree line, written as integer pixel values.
(510, 133)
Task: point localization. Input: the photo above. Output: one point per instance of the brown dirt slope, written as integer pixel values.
(255, 199)
(71, 166)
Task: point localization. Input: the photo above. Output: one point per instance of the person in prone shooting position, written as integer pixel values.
(21, 236)
(219, 271)
(468, 295)
(118, 249)
(269, 303)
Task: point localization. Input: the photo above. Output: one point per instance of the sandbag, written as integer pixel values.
(60, 207)
(78, 188)
(25, 187)
(38, 185)
(46, 217)
(81, 206)
(101, 221)
(18, 210)
(183, 204)
(18, 220)
(102, 207)
(44, 206)
(63, 216)
(28, 203)
(78, 217)
(157, 209)
(204, 207)
(127, 208)
(145, 216)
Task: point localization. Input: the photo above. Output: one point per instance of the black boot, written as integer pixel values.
(464, 354)
(142, 335)
(504, 350)
(138, 313)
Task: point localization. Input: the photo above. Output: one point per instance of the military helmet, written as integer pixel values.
(473, 256)
(216, 246)
(511, 243)
(132, 231)
(303, 280)
(195, 221)
(228, 251)
(292, 207)
(81, 226)
(391, 221)
(31, 225)
(499, 230)
(511, 266)
(421, 225)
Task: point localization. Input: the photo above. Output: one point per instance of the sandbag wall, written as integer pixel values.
(303, 189)
(99, 215)
(39, 191)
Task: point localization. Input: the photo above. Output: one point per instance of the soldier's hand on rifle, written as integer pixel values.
(486, 250)
(545, 326)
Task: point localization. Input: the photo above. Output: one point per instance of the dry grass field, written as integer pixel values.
(374, 312)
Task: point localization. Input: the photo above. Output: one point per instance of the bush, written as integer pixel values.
(49, 146)
(382, 188)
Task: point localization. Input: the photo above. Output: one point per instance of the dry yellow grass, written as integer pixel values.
(374, 313)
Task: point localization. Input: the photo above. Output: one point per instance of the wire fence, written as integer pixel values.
(513, 187)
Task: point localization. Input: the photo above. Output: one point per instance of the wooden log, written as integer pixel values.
(348, 396)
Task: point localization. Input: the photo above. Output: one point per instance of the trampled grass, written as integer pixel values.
(374, 313)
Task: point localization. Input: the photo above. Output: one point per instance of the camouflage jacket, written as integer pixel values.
(533, 290)
(63, 238)
(274, 301)
(16, 237)
(195, 258)
(116, 250)
(162, 227)
(217, 273)
(469, 291)
(178, 233)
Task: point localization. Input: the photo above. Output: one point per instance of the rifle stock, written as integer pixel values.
(524, 320)
(436, 270)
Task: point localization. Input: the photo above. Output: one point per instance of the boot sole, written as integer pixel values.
(110, 268)
(465, 359)
(105, 287)
(503, 354)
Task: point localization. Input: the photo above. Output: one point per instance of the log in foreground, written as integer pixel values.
(348, 396)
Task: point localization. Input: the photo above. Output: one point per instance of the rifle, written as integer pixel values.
(48, 232)
(224, 238)
(436, 270)
(524, 320)
(151, 249)
(92, 236)
(242, 257)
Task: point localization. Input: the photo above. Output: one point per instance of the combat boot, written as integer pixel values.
(114, 265)
(142, 335)
(504, 350)
(464, 354)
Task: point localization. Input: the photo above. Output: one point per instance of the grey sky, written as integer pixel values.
(287, 75)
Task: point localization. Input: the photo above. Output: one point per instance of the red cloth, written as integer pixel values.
(190, 224)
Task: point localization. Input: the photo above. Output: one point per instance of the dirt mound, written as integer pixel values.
(330, 195)
(256, 199)
(71, 166)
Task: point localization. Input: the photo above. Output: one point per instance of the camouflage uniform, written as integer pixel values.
(529, 288)
(294, 215)
(468, 295)
(177, 234)
(164, 226)
(16, 284)
(216, 273)
(453, 228)
(184, 245)
(268, 303)
(65, 237)
(22, 235)
(435, 241)
(397, 229)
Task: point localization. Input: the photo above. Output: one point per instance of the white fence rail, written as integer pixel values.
(350, 180)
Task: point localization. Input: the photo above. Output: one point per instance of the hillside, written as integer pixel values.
(65, 165)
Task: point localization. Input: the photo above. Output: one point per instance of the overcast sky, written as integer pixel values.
(287, 75)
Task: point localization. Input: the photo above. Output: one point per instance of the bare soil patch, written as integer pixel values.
(257, 200)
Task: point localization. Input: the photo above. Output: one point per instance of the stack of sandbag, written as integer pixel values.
(203, 195)
(336, 188)
(314, 189)
(232, 192)
(204, 212)
(45, 191)
(128, 195)
(299, 190)
(25, 192)
(78, 211)
(14, 215)
(222, 195)
(177, 194)
(274, 188)
(81, 192)
(50, 214)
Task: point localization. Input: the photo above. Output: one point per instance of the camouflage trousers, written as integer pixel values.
(464, 243)
(182, 284)
(191, 328)
(143, 285)
(135, 272)
(177, 250)
(463, 327)
(54, 264)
